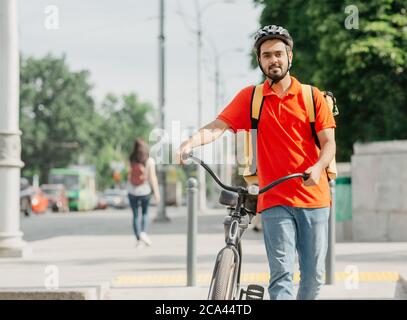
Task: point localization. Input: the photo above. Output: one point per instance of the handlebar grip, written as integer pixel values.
(305, 176)
(186, 156)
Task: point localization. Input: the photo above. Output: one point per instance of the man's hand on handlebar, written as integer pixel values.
(314, 173)
(183, 153)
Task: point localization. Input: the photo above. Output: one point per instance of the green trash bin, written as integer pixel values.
(343, 198)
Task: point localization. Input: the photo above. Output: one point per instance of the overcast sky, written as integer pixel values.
(117, 41)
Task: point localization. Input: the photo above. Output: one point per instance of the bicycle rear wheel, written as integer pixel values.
(224, 283)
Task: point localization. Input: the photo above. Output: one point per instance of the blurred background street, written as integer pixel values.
(97, 250)
(81, 80)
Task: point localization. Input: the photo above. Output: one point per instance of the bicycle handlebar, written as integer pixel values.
(304, 176)
(214, 176)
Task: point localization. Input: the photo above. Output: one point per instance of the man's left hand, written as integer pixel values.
(314, 175)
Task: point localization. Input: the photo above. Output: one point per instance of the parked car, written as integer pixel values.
(56, 195)
(101, 201)
(39, 203)
(25, 197)
(117, 198)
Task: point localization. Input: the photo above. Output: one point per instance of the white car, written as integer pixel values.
(117, 198)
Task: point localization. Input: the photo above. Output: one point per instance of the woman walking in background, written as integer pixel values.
(142, 181)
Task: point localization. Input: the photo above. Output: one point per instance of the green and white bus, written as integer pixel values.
(80, 185)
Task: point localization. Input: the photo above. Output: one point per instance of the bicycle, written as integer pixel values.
(225, 282)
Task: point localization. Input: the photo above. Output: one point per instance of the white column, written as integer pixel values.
(11, 243)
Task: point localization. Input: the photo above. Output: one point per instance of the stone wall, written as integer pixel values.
(379, 191)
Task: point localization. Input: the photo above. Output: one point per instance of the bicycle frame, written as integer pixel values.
(234, 230)
(235, 227)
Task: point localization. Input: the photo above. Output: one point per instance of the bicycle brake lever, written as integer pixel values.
(185, 157)
(253, 189)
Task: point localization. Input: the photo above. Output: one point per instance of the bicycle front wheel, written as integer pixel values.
(224, 284)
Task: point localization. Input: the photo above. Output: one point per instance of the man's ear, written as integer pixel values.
(290, 59)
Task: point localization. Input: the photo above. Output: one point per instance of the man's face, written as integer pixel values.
(274, 59)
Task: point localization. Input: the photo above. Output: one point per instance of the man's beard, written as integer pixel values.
(276, 76)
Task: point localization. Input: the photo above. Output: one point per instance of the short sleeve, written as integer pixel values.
(324, 118)
(237, 112)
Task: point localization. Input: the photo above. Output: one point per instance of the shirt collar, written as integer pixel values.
(292, 90)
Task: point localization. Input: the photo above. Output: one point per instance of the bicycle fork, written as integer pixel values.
(233, 234)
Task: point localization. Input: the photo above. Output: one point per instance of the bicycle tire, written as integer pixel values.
(223, 284)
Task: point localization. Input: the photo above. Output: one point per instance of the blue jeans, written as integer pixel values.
(290, 229)
(135, 203)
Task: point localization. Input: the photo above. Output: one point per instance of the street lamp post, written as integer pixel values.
(217, 57)
(11, 243)
(161, 208)
(201, 172)
(223, 169)
(227, 170)
(199, 13)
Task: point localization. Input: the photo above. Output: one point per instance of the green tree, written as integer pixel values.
(61, 124)
(123, 119)
(364, 67)
(56, 108)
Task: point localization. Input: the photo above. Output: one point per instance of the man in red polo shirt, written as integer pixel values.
(295, 213)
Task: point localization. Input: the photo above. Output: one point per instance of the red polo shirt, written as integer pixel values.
(285, 143)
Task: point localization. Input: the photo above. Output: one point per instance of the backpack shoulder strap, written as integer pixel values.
(256, 105)
(250, 145)
(308, 97)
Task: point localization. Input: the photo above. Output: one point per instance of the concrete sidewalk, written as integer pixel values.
(93, 256)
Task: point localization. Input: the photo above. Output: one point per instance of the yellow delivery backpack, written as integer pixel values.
(250, 139)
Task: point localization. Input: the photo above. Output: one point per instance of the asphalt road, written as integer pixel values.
(117, 222)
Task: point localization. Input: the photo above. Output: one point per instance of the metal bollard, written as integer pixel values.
(192, 207)
(330, 257)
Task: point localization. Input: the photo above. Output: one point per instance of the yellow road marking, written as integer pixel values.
(204, 279)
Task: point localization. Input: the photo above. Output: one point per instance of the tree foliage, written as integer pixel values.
(124, 119)
(62, 125)
(55, 110)
(364, 67)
